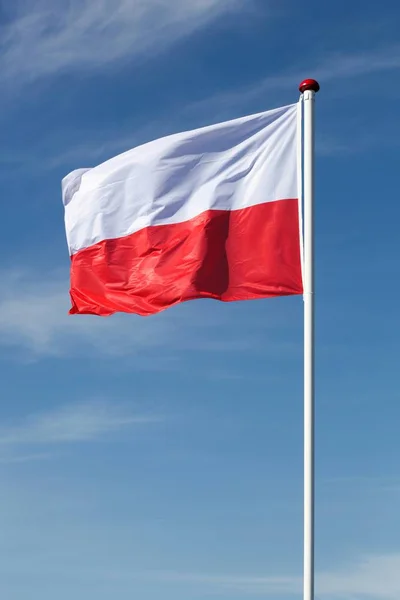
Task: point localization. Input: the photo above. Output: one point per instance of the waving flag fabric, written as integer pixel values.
(209, 213)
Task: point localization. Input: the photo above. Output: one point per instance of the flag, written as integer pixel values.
(209, 213)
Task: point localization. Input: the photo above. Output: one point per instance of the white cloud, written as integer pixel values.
(80, 422)
(330, 68)
(34, 323)
(43, 37)
(34, 316)
(234, 583)
(375, 577)
(95, 146)
(24, 458)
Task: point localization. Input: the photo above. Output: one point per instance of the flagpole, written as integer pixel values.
(308, 88)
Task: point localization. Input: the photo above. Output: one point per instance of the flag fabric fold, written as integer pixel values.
(209, 213)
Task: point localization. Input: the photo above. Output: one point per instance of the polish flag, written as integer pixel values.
(209, 213)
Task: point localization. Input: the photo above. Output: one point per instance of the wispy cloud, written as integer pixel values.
(373, 577)
(342, 67)
(231, 103)
(331, 68)
(88, 148)
(24, 458)
(42, 38)
(34, 316)
(376, 576)
(34, 322)
(82, 422)
(237, 583)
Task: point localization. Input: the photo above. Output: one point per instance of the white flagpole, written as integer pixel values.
(308, 88)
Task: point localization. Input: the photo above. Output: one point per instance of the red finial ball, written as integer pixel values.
(309, 84)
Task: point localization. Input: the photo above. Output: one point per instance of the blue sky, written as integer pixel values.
(161, 458)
